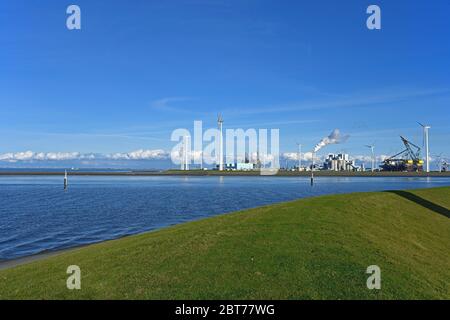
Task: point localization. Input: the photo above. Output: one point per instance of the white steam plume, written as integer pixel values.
(333, 138)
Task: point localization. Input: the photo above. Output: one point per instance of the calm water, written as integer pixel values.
(37, 215)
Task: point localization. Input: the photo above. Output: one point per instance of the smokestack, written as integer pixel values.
(334, 137)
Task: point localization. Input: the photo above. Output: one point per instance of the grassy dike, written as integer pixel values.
(316, 248)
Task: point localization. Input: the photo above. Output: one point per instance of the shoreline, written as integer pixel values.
(15, 262)
(212, 173)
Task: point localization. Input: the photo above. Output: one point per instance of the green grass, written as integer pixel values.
(317, 248)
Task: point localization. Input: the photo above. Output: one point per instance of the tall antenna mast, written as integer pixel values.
(186, 153)
(182, 154)
(220, 126)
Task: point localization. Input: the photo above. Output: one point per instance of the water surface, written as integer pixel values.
(37, 215)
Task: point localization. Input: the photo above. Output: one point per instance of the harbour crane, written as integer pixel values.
(406, 160)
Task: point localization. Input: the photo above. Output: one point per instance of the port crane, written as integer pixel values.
(406, 160)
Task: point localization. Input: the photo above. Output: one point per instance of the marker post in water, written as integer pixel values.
(65, 180)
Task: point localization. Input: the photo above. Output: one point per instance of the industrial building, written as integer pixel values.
(339, 162)
(240, 166)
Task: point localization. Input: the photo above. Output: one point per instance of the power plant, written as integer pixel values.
(339, 162)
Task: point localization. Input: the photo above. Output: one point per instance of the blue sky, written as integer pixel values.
(140, 69)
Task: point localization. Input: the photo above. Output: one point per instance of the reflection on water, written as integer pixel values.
(36, 214)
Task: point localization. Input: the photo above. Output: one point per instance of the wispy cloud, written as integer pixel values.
(167, 103)
(275, 123)
(346, 101)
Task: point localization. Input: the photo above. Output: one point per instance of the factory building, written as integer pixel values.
(245, 165)
(339, 162)
(240, 166)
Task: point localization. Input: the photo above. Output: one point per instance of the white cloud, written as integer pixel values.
(65, 156)
(59, 156)
(27, 155)
(177, 155)
(165, 103)
(140, 155)
(156, 154)
(294, 156)
(368, 158)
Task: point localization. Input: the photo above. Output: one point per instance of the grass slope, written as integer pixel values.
(317, 248)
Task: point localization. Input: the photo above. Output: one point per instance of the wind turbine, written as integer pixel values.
(438, 161)
(186, 152)
(299, 155)
(427, 149)
(372, 147)
(220, 126)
